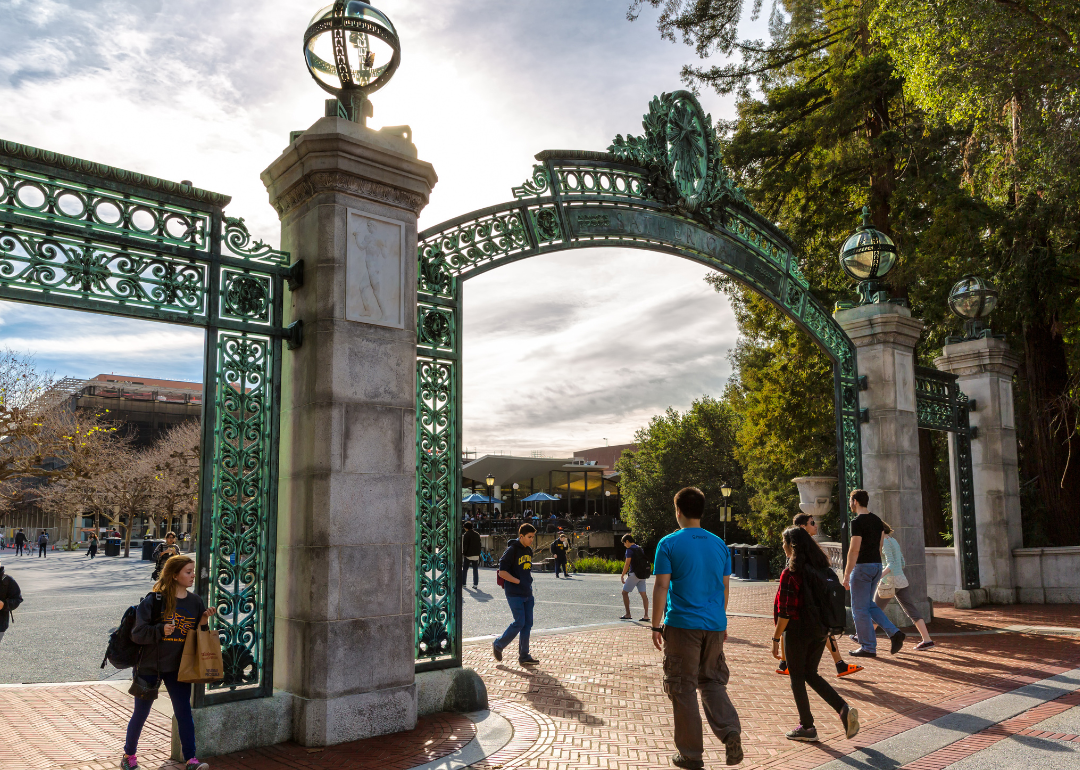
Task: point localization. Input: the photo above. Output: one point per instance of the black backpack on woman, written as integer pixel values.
(122, 651)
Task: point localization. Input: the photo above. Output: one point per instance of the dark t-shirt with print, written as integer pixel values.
(171, 648)
(869, 528)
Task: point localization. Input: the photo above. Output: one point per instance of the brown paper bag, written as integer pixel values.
(201, 662)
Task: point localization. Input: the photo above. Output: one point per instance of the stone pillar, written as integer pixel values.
(348, 198)
(984, 368)
(885, 336)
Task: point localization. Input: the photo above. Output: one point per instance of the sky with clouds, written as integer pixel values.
(562, 352)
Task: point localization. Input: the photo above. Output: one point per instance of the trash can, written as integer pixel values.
(112, 546)
(757, 562)
(148, 547)
(736, 560)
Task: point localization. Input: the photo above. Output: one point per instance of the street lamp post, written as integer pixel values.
(517, 510)
(725, 490)
(491, 493)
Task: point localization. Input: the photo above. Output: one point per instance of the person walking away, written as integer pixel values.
(559, 547)
(470, 555)
(159, 661)
(799, 628)
(806, 521)
(91, 549)
(43, 544)
(689, 625)
(515, 569)
(894, 581)
(634, 573)
(10, 599)
(20, 542)
(861, 576)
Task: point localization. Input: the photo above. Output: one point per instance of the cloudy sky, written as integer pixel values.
(562, 352)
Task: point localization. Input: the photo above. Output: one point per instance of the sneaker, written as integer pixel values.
(129, 762)
(854, 638)
(848, 669)
(689, 764)
(850, 718)
(800, 733)
(497, 653)
(733, 748)
(781, 668)
(897, 642)
(925, 645)
(528, 660)
(194, 764)
(861, 653)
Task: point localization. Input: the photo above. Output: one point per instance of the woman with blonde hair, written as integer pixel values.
(162, 623)
(895, 583)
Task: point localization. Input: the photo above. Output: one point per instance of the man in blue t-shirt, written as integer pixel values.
(692, 572)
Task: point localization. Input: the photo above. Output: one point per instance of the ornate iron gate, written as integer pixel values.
(664, 191)
(941, 405)
(87, 236)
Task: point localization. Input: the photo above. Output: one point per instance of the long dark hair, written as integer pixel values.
(804, 550)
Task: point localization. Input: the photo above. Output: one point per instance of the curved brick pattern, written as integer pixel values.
(602, 692)
(434, 737)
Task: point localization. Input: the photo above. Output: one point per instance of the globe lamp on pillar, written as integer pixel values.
(867, 256)
(973, 299)
(351, 49)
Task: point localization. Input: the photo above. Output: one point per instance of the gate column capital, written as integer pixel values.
(883, 323)
(970, 358)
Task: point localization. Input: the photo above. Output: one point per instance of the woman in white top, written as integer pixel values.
(893, 576)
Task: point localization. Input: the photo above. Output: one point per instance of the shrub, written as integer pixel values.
(598, 564)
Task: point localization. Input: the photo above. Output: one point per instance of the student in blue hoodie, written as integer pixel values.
(515, 569)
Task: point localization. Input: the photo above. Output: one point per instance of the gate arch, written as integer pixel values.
(664, 191)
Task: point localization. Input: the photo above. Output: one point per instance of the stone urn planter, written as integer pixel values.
(815, 498)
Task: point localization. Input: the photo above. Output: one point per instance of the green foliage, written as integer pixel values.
(696, 448)
(599, 565)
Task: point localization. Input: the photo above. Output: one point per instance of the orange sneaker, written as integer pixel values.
(782, 669)
(851, 669)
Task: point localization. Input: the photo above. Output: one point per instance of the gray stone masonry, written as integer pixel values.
(885, 336)
(348, 198)
(985, 368)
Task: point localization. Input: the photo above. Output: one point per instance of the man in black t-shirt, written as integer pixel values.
(861, 576)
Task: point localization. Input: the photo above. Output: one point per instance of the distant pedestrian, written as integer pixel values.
(895, 583)
(689, 625)
(163, 552)
(471, 549)
(159, 662)
(861, 576)
(3, 542)
(807, 522)
(804, 636)
(515, 570)
(634, 573)
(10, 599)
(20, 542)
(91, 549)
(43, 544)
(559, 548)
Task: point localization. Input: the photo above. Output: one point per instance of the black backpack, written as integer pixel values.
(640, 564)
(823, 600)
(123, 652)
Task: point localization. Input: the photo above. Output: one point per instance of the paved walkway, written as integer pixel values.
(1001, 689)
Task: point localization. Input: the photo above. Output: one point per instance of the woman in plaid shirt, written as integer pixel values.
(803, 637)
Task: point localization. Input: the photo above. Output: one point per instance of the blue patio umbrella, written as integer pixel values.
(475, 498)
(539, 497)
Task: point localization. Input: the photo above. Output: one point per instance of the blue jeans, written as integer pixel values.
(864, 579)
(522, 607)
(180, 695)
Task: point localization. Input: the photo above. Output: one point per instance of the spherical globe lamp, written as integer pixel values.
(973, 297)
(351, 50)
(868, 254)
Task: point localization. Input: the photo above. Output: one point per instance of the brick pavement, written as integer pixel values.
(597, 701)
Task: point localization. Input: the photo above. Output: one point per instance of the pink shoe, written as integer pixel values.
(129, 762)
(194, 764)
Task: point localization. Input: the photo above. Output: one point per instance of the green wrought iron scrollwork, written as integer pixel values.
(240, 532)
(941, 405)
(86, 236)
(664, 191)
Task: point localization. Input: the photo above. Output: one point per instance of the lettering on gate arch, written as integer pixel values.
(589, 222)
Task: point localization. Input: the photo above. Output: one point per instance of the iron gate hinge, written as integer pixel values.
(864, 415)
(864, 383)
(294, 336)
(296, 275)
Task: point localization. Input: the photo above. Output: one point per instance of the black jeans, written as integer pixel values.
(561, 563)
(465, 572)
(41, 550)
(803, 655)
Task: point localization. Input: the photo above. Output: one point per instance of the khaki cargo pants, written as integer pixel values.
(694, 661)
